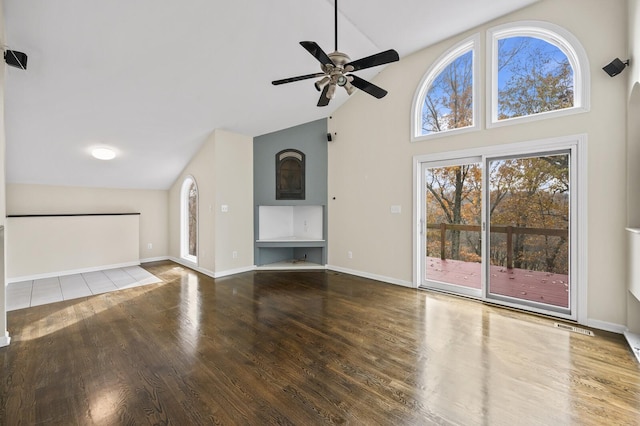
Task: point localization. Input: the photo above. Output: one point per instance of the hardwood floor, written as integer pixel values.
(305, 348)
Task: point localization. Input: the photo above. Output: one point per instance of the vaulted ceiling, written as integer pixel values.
(152, 79)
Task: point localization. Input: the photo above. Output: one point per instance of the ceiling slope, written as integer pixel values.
(153, 79)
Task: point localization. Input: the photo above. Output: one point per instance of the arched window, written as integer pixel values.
(189, 220)
(446, 99)
(537, 70)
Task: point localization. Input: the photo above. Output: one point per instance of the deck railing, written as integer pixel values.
(509, 230)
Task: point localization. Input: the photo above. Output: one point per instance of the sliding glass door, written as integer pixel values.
(499, 228)
(529, 220)
(452, 219)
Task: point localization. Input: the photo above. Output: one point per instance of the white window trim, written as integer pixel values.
(184, 220)
(551, 33)
(579, 255)
(471, 44)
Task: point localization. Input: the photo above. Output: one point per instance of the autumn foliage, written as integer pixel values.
(525, 193)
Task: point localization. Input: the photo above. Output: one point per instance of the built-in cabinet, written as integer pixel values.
(291, 236)
(291, 233)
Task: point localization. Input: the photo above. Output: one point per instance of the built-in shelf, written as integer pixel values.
(290, 222)
(290, 242)
(290, 265)
(290, 237)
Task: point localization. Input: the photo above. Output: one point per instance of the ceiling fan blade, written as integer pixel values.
(324, 100)
(298, 78)
(373, 60)
(370, 88)
(317, 52)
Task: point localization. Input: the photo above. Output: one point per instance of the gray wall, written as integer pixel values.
(311, 139)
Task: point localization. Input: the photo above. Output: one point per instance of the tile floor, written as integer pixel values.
(49, 290)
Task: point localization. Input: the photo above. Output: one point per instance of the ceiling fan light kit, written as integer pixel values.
(336, 67)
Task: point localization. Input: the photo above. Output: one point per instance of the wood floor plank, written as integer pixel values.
(303, 348)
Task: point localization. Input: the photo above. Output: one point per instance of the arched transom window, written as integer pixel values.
(446, 99)
(537, 70)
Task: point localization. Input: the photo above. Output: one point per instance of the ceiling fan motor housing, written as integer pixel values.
(335, 67)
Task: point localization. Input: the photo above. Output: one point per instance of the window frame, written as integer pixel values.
(184, 219)
(470, 44)
(578, 144)
(566, 42)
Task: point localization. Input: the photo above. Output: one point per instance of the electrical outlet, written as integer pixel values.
(149, 246)
(350, 254)
(224, 208)
(234, 254)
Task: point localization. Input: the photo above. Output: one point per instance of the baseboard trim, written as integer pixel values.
(155, 259)
(233, 271)
(5, 340)
(191, 265)
(211, 273)
(606, 326)
(370, 276)
(183, 262)
(71, 272)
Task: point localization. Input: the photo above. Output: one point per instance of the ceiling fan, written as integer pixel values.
(336, 68)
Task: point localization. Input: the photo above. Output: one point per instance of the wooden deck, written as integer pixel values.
(542, 287)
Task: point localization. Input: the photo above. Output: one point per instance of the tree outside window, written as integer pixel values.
(193, 218)
(189, 220)
(534, 76)
(448, 103)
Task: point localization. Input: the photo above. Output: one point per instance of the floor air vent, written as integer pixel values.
(573, 329)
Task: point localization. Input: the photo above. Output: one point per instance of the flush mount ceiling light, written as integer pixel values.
(103, 153)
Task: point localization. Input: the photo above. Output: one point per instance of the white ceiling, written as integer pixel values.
(153, 78)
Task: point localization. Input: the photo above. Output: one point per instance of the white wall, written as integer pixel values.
(234, 188)
(4, 334)
(151, 204)
(223, 171)
(201, 169)
(633, 145)
(370, 164)
(41, 247)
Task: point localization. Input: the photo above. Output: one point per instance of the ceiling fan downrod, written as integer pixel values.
(335, 27)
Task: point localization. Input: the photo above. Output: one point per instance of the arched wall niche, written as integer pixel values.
(633, 158)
